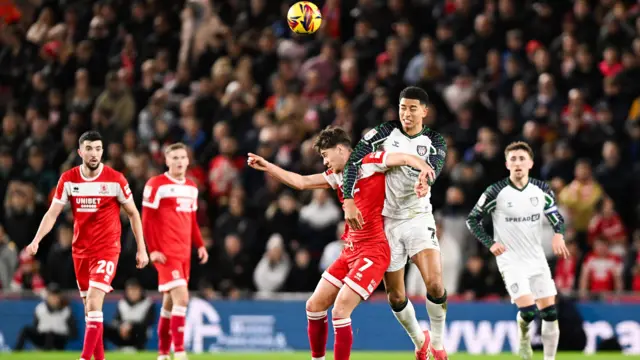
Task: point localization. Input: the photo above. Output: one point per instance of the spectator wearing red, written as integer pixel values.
(27, 276)
(601, 270)
(607, 225)
(566, 269)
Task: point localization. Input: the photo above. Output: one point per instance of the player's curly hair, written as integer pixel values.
(331, 137)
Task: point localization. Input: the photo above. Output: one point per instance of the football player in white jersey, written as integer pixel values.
(409, 223)
(517, 205)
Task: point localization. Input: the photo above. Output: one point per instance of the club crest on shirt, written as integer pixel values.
(104, 189)
(534, 201)
(422, 150)
(514, 288)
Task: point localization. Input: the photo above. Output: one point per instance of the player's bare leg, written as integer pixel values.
(526, 314)
(550, 330)
(405, 313)
(429, 263)
(180, 300)
(343, 307)
(94, 329)
(322, 298)
(164, 328)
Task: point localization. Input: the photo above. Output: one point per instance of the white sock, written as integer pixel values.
(550, 336)
(437, 316)
(407, 318)
(320, 358)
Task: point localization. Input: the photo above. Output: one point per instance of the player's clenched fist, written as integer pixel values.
(257, 162)
(203, 255)
(497, 249)
(32, 248)
(142, 259)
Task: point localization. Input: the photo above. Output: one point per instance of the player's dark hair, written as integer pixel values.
(331, 137)
(415, 93)
(90, 135)
(518, 145)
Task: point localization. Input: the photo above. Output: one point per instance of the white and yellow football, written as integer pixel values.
(304, 17)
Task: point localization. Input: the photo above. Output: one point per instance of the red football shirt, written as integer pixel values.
(368, 196)
(95, 203)
(169, 218)
(602, 271)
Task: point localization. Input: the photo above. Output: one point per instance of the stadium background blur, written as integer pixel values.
(228, 77)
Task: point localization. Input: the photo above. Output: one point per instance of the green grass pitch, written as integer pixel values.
(304, 356)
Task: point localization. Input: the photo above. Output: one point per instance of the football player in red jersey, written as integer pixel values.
(366, 254)
(170, 226)
(96, 193)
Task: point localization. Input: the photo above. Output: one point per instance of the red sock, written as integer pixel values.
(178, 314)
(98, 352)
(164, 332)
(343, 339)
(317, 329)
(91, 334)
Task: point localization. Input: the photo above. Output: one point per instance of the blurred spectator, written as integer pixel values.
(632, 266)
(601, 270)
(333, 249)
(59, 265)
(580, 197)
(272, 270)
(607, 225)
(473, 280)
(8, 259)
(567, 269)
(231, 271)
(53, 325)
(135, 315)
(303, 276)
(27, 276)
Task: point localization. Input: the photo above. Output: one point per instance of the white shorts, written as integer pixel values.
(408, 237)
(519, 283)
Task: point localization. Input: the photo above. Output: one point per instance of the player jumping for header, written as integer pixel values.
(516, 205)
(408, 219)
(170, 226)
(366, 254)
(96, 193)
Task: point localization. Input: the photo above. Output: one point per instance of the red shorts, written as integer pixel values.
(173, 273)
(96, 272)
(360, 267)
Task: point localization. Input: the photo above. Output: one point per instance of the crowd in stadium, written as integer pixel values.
(228, 78)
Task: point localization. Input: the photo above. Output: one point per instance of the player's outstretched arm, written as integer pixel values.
(365, 146)
(399, 159)
(289, 178)
(142, 258)
(48, 220)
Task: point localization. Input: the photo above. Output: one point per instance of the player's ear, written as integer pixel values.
(79, 152)
(425, 111)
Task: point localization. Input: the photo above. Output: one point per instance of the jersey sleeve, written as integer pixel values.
(196, 235)
(61, 195)
(485, 206)
(124, 192)
(438, 153)
(149, 215)
(150, 198)
(367, 145)
(550, 207)
(375, 162)
(330, 178)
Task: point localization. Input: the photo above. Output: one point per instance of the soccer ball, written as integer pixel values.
(304, 17)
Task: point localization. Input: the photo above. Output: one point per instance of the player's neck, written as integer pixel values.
(413, 131)
(178, 176)
(88, 173)
(519, 183)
